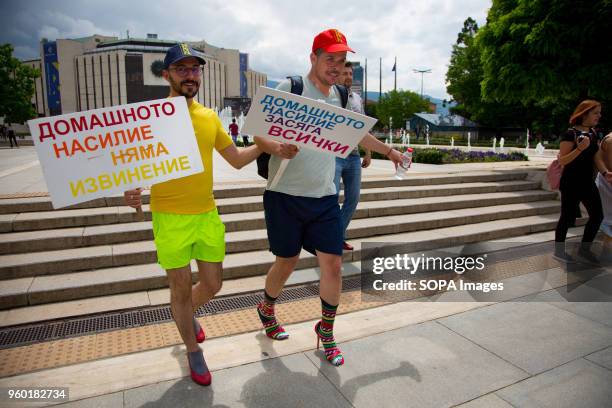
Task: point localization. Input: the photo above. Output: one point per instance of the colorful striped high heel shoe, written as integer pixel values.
(332, 352)
(273, 329)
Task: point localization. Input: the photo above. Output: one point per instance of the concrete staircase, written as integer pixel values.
(97, 249)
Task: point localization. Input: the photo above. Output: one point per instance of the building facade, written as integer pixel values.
(96, 72)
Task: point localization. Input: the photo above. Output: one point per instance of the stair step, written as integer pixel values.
(142, 252)
(123, 279)
(156, 297)
(30, 221)
(51, 239)
(21, 205)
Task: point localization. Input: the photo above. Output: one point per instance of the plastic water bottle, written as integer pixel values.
(400, 173)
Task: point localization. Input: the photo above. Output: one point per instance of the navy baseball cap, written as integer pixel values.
(178, 52)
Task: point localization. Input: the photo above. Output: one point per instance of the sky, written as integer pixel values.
(277, 35)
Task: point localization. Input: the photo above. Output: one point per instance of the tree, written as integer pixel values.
(400, 106)
(547, 55)
(465, 72)
(464, 78)
(369, 107)
(16, 87)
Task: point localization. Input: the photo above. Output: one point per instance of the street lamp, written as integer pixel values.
(422, 71)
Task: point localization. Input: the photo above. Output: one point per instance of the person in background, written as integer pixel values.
(349, 169)
(233, 128)
(10, 133)
(578, 154)
(604, 185)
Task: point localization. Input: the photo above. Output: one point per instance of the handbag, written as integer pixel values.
(553, 174)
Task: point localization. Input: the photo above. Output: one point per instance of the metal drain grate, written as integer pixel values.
(54, 330)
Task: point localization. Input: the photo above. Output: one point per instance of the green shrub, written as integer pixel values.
(428, 156)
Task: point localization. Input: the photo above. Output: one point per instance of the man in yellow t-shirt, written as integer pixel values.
(186, 224)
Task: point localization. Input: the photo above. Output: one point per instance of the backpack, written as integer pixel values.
(297, 86)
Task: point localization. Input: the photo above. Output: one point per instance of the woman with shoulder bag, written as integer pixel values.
(577, 156)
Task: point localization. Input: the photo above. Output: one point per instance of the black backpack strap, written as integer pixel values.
(297, 84)
(297, 87)
(343, 91)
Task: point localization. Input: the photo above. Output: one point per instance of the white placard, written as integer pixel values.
(294, 119)
(102, 152)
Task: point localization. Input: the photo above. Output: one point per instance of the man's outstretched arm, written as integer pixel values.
(238, 158)
(372, 143)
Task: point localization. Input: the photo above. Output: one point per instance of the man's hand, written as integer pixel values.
(133, 198)
(396, 157)
(608, 176)
(287, 151)
(367, 160)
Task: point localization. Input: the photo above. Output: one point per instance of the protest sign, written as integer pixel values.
(294, 119)
(102, 152)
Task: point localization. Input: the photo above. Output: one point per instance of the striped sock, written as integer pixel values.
(325, 331)
(265, 310)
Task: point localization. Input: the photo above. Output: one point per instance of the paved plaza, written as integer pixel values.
(534, 348)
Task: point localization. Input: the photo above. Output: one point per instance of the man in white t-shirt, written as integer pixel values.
(301, 205)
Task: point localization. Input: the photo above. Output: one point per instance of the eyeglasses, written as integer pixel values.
(185, 71)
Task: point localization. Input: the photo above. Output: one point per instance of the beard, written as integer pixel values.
(177, 87)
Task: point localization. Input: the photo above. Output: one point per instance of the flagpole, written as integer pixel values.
(380, 79)
(365, 96)
(395, 70)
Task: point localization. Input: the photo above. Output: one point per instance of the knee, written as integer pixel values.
(216, 286)
(180, 294)
(285, 265)
(333, 266)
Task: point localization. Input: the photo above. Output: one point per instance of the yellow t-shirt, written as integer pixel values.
(194, 194)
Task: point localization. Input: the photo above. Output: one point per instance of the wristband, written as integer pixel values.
(389, 152)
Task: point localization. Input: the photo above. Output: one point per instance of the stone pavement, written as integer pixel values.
(535, 351)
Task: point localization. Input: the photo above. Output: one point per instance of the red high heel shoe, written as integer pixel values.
(202, 379)
(200, 335)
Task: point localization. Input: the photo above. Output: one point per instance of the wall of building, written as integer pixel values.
(67, 51)
(101, 79)
(93, 78)
(254, 81)
(231, 59)
(38, 99)
(212, 90)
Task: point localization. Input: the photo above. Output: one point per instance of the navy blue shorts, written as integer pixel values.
(294, 222)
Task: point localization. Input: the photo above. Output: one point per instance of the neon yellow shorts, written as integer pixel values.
(179, 238)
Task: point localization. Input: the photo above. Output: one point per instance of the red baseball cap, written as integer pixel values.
(330, 41)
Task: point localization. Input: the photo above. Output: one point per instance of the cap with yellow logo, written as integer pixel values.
(178, 52)
(330, 41)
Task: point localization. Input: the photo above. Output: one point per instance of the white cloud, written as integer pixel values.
(277, 34)
(59, 25)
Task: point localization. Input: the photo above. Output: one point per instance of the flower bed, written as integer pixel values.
(447, 156)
